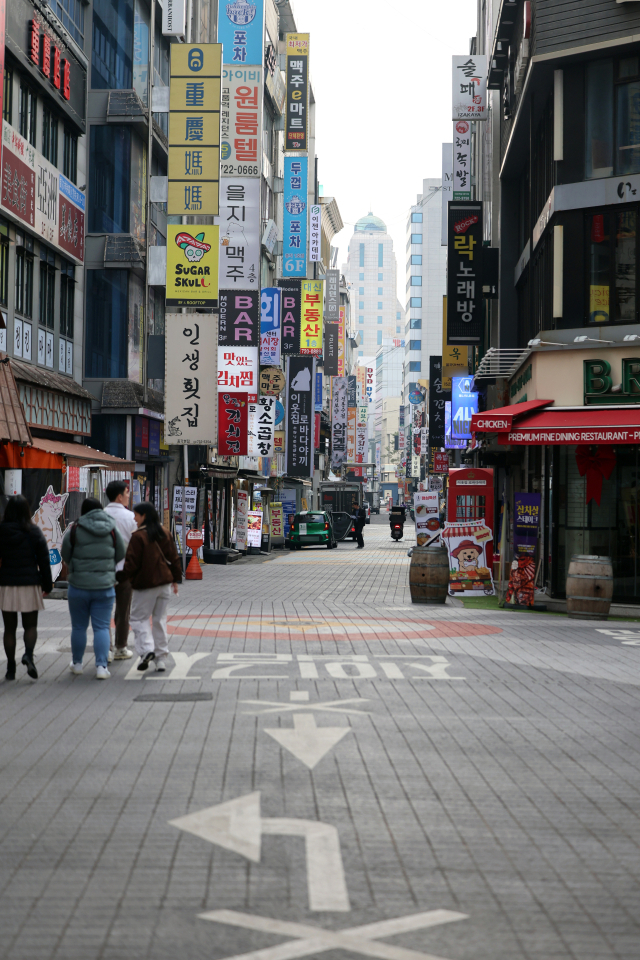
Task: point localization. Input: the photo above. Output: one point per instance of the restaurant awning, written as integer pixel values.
(575, 425)
(501, 418)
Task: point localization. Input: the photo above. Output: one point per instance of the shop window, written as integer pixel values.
(109, 183)
(415, 323)
(71, 13)
(47, 287)
(50, 136)
(70, 157)
(7, 95)
(4, 271)
(28, 110)
(611, 266)
(67, 298)
(112, 45)
(24, 278)
(107, 321)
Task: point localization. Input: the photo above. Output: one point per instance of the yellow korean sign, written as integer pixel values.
(456, 357)
(311, 298)
(192, 266)
(194, 129)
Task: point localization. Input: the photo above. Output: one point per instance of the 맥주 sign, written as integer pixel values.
(297, 79)
(239, 221)
(194, 129)
(192, 266)
(191, 344)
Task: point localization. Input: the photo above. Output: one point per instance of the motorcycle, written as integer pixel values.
(396, 522)
(397, 530)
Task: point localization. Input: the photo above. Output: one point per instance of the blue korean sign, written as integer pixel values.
(449, 442)
(415, 397)
(294, 231)
(464, 404)
(318, 396)
(270, 307)
(241, 31)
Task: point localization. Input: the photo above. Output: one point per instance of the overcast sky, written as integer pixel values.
(381, 74)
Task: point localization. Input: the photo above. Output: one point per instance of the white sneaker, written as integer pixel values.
(75, 668)
(161, 666)
(102, 673)
(110, 656)
(122, 654)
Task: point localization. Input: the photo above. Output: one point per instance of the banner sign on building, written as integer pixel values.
(469, 87)
(450, 443)
(174, 18)
(270, 304)
(297, 79)
(238, 369)
(332, 297)
(461, 160)
(352, 416)
(294, 228)
(190, 401)
(192, 266)
(339, 390)
(311, 307)
(464, 403)
(352, 382)
(371, 387)
(315, 221)
(291, 299)
(272, 381)
(241, 30)
(194, 129)
(330, 355)
(239, 222)
(362, 439)
(342, 333)
(447, 188)
(378, 458)
(239, 323)
(241, 121)
(233, 419)
(300, 416)
(261, 427)
(318, 392)
(437, 398)
(465, 313)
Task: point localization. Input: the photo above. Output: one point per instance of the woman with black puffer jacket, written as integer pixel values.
(25, 576)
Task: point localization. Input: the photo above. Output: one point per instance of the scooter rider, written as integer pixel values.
(397, 516)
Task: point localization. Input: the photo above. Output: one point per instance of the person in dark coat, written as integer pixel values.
(25, 576)
(359, 520)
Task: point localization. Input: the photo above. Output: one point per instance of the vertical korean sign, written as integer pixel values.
(239, 221)
(294, 230)
(342, 329)
(338, 422)
(262, 418)
(240, 30)
(300, 416)
(291, 297)
(191, 344)
(464, 274)
(241, 121)
(270, 308)
(239, 323)
(312, 296)
(296, 129)
(437, 399)
(315, 223)
(461, 160)
(331, 320)
(469, 88)
(194, 129)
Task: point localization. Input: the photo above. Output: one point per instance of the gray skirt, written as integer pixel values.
(21, 599)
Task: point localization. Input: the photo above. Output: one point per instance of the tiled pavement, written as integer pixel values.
(489, 769)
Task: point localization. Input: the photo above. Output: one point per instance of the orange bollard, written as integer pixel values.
(194, 541)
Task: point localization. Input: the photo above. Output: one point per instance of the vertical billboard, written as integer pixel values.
(315, 224)
(330, 354)
(300, 416)
(342, 332)
(465, 308)
(190, 400)
(194, 129)
(239, 318)
(332, 297)
(469, 87)
(352, 417)
(437, 399)
(239, 222)
(339, 390)
(192, 266)
(461, 160)
(464, 403)
(447, 188)
(238, 369)
(241, 30)
(291, 299)
(233, 420)
(294, 228)
(311, 306)
(241, 121)
(261, 427)
(296, 128)
(270, 308)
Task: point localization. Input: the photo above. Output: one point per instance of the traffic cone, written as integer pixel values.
(193, 571)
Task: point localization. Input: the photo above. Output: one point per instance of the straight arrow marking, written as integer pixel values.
(307, 742)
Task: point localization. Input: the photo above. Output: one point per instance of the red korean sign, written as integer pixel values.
(233, 416)
(71, 233)
(440, 462)
(238, 369)
(18, 187)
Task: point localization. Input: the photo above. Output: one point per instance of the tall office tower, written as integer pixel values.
(426, 281)
(371, 273)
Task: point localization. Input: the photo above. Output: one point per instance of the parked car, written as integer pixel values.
(367, 507)
(312, 528)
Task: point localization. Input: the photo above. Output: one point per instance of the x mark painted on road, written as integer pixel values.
(364, 940)
(329, 706)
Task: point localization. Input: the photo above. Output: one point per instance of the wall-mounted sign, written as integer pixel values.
(465, 313)
(300, 416)
(233, 418)
(294, 229)
(312, 299)
(239, 221)
(192, 266)
(262, 414)
(461, 161)
(239, 323)
(270, 311)
(173, 18)
(241, 30)
(339, 391)
(272, 380)
(291, 299)
(297, 80)
(241, 121)
(238, 369)
(469, 101)
(315, 223)
(464, 403)
(191, 346)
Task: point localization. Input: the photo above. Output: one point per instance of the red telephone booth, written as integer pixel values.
(470, 497)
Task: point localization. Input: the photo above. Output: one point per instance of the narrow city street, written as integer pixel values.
(326, 768)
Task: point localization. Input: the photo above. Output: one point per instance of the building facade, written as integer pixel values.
(371, 272)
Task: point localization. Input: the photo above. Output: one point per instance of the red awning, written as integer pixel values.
(580, 425)
(495, 421)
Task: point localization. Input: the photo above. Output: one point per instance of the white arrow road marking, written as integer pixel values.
(306, 741)
(327, 706)
(309, 940)
(237, 825)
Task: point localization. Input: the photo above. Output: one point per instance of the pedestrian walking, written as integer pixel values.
(154, 570)
(118, 507)
(25, 577)
(91, 548)
(359, 520)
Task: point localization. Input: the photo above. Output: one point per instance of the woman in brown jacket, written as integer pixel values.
(153, 567)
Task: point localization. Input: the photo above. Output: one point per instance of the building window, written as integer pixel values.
(381, 254)
(416, 238)
(379, 319)
(109, 183)
(71, 13)
(379, 340)
(379, 304)
(47, 287)
(106, 324)
(599, 122)
(398, 315)
(416, 259)
(415, 366)
(416, 281)
(7, 95)
(70, 157)
(627, 132)
(112, 45)
(360, 319)
(361, 305)
(361, 276)
(4, 271)
(360, 353)
(380, 291)
(361, 291)
(27, 121)
(397, 329)
(611, 268)
(415, 344)
(24, 279)
(415, 302)
(362, 254)
(67, 298)
(415, 323)
(416, 218)
(50, 136)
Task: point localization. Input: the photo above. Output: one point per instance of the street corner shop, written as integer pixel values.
(571, 432)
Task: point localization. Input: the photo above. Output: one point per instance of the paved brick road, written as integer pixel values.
(484, 765)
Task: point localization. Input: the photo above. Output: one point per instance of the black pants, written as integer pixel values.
(359, 537)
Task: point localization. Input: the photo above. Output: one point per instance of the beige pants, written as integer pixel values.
(145, 604)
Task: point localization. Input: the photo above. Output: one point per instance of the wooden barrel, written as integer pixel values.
(589, 588)
(429, 575)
